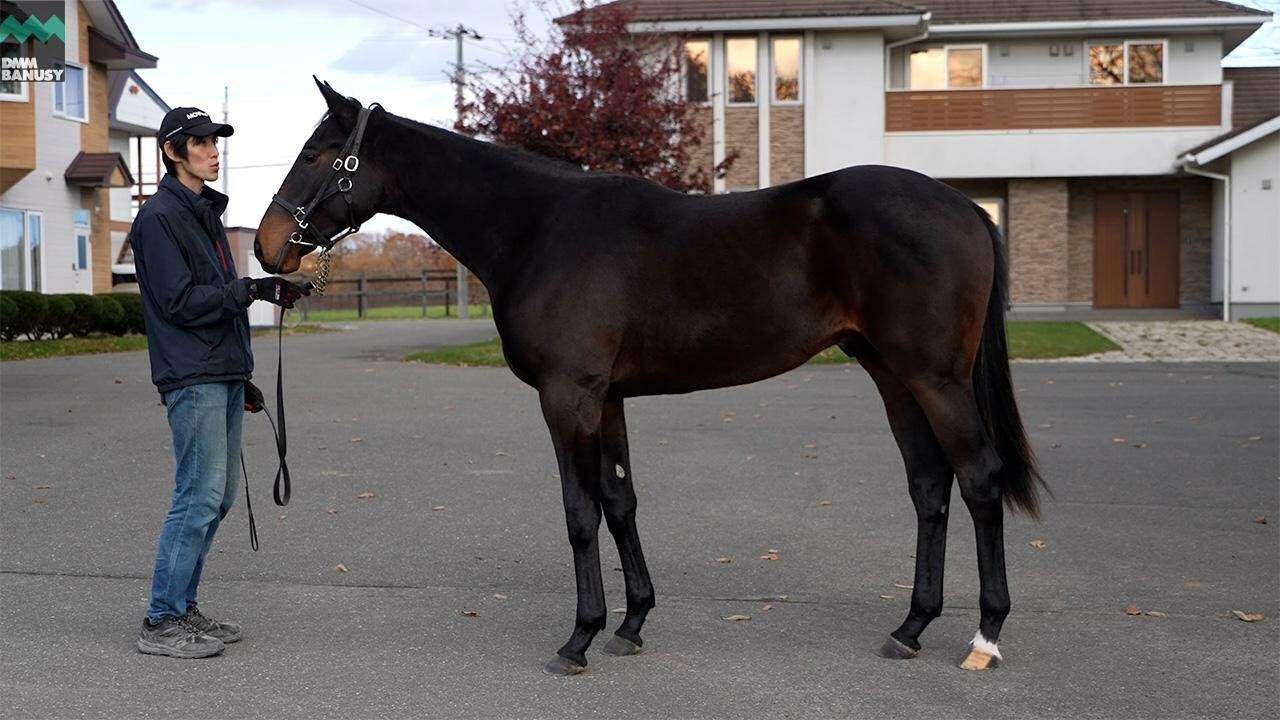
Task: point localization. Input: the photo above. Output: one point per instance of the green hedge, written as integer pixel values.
(31, 314)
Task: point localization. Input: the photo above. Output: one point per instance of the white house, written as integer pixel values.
(1101, 135)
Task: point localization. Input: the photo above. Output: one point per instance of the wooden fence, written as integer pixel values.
(429, 288)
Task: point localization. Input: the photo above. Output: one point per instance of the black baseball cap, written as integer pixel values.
(192, 121)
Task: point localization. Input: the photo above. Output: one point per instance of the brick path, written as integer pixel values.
(1187, 341)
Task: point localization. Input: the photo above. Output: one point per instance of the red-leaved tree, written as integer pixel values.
(595, 95)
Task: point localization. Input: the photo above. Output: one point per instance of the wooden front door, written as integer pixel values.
(1135, 249)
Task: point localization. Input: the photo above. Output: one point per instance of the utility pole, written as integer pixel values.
(457, 34)
(226, 155)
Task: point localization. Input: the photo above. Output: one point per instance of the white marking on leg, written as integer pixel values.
(944, 510)
(617, 468)
(982, 644)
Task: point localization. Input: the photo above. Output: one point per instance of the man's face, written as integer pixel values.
(202, 158)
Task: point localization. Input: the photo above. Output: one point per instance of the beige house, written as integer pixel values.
(1085, 128)
(66, 187)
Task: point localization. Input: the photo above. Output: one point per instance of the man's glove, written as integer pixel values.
(277, 290)
(253, 399)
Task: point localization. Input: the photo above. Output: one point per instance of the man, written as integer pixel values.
(195, 308)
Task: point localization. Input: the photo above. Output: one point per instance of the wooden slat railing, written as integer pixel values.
(1090, 107)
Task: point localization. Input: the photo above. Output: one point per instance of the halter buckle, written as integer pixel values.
(341, 187)
(351, 163)
(300, 215)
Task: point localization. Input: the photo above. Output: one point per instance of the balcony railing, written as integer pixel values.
(1084, 107)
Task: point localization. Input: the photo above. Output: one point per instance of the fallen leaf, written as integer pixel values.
(1139, 445)
(724, 560)
(619, 611)
(356, 440)
(43, 487)
(1056, 445)
(736, 618)
(810, 446)
(900, 586)
(1133, 610)
(1118, 440)
(500, 596)
(470, 613)
(437, 508)
(770, 555)
(366, 495)
(662, 442)
(825, 503)
(332, 511)
(1156, 613)
(500, 454)
(766, 608)
(1255, 438)
(886, 597)
(340, 567)
(1261, 520)
(1038, 543)
(1248, 617)
(1046, 425)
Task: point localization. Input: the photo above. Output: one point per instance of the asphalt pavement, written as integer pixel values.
(1165, 499)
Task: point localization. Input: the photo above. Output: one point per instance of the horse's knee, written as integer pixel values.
(583, 528)
(928, 494)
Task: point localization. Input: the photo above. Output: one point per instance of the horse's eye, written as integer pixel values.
(308, 157)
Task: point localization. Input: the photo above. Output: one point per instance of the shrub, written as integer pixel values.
(58, 318)
(108, 316)
(132, 322)
(32, 307)
(8, 318)
(86, 311)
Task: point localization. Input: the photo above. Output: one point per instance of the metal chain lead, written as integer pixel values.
(322, 273)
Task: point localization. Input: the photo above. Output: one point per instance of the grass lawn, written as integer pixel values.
(1272, 324)
(402, 312)
(1037, 340)
(33, 349)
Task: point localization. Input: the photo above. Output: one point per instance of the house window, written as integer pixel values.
(786, 70)
(81, 220)
(12, 90)
(741, 52)
(697, 70)
(20, 233)
(952, 66)
(70, 97)
(1130, 62)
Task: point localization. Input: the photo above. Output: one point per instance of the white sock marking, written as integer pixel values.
(982, 644)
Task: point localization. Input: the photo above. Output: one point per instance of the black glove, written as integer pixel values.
(253, 399)
(277, 290)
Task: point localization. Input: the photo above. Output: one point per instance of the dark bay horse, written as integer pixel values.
(605, 287)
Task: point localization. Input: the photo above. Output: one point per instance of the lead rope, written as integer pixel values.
(282, 444)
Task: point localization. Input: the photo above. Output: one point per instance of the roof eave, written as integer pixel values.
(1232, 144)
(1052, 27)
(820, 22)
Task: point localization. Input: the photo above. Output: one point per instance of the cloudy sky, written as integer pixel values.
(374, 50)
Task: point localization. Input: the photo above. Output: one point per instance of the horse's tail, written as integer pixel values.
(1019, 478)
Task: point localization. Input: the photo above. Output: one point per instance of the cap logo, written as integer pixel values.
(197, 114)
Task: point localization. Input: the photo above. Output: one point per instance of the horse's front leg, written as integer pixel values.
(618, 499)
(573, 416)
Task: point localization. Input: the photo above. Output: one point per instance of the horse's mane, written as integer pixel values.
(506, 153)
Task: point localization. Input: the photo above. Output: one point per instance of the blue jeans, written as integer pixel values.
(205, 420)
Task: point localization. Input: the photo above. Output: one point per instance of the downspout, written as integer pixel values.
(889, 47)
(1226, 230)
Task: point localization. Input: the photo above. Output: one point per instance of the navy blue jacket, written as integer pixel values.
(194, 304)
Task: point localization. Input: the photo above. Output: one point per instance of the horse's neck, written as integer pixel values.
(479, 203)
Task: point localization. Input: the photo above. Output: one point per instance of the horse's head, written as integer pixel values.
(328, 192)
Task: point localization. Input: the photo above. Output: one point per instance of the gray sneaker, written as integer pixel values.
(177, 638)
(227, 632)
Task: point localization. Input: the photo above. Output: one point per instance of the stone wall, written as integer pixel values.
(742, 133)
(786, 143)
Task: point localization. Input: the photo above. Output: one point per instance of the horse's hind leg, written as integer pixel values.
(573, 416)
(618, 500)
(953, 413)
(929, 482)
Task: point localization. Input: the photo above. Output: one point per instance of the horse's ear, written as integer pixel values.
(344, 108)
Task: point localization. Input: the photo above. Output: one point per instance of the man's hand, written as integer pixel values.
(253, 399)
(277, 290)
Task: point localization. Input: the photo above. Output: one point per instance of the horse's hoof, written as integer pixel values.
(563, 667)
(895, 650)
(620, 647)
(979, 660)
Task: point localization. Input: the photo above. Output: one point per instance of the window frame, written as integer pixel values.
(728, 85)
(23, 94)
(1124, 51)
(946, 65)
(32, 270)
(773, 71)
(62, 113)
(684, 68)
(82, 227)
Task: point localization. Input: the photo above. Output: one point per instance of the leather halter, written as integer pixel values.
(344, 166)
